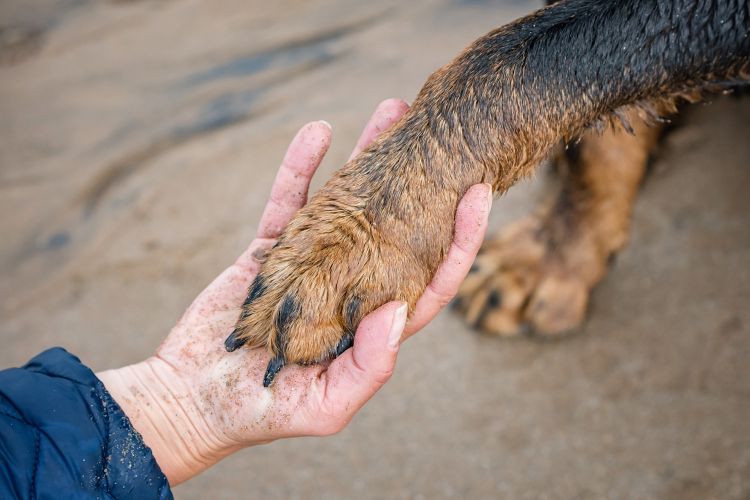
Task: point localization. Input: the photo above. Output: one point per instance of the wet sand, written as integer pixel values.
(138, 141)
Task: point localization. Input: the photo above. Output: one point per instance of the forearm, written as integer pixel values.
(164, 411)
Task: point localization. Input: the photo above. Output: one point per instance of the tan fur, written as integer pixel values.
(536, 275)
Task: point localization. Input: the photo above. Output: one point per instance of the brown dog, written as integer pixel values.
(378, 229)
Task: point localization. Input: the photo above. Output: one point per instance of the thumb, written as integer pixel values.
(355, 376)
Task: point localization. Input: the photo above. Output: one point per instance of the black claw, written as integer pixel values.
(232, 343)
(495, 300)
(351, 314)
(611, 260)
(345, 343)
(274, 366)
(528, 331)
(288, 312)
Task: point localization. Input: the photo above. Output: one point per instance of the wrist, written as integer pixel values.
(163, 409)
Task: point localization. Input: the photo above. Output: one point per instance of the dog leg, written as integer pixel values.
(536, 275)
(378, 230)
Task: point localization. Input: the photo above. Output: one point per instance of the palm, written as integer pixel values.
(227, 385)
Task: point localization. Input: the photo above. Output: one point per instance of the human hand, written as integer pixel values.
(194, 403)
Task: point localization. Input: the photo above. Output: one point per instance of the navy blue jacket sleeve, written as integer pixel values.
(63, 436)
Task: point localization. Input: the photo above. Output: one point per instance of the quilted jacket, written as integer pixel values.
(63, 436)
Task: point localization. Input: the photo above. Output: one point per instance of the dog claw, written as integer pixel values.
(232, 343)
(276, 364)
(345, 343)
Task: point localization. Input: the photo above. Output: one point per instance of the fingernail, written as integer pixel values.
(397, 327)
(489, 196)
(326, 124)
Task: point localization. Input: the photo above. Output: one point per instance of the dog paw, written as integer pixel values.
(359, 243)
(523, 282)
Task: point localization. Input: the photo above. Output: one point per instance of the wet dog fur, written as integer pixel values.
(378, 230)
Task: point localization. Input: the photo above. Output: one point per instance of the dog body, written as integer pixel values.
(380, 227)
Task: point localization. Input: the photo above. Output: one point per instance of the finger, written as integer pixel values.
(353, 378)
(386, 114)
(289, 191)
(471, 224)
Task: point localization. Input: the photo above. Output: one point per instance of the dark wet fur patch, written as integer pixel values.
(288, 312)
(257, 288)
